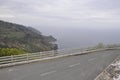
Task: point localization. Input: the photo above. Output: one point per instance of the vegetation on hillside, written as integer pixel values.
(101, 46)
(26, 38)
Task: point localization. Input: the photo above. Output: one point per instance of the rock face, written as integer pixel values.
(27, 38)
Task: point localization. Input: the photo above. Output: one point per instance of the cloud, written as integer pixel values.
(5, 13)
(6, 16)
(62, 12)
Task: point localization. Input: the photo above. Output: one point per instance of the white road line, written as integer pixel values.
(74, 65)
(91, 59)
(47, 73)
(10, 70)
(106, 55)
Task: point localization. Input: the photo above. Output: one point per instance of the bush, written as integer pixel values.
(11, 51)
(99, 45)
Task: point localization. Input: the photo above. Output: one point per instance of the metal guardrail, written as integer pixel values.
(40, 55)
(25, 57)
(32, 56)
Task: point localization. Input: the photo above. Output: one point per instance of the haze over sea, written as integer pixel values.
(76, 37)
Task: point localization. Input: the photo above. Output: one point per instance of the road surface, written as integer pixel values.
(82, 67)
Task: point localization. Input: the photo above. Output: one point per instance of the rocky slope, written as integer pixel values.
(18, 36)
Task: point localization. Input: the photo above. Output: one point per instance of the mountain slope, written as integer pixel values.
(27, 38)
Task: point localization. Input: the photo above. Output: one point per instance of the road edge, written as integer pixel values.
(104, 75)
(50, 58)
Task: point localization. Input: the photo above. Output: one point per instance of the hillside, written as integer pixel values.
(29, 39)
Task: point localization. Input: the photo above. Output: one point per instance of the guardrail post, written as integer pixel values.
(40, 55)
(27, 57)
(55, 52)
(11, 58)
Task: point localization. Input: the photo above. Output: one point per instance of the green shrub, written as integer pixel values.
(11, 51)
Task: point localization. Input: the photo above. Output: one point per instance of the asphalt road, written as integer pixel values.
(82, 67)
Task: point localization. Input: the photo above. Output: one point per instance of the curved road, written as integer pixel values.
(81, 67)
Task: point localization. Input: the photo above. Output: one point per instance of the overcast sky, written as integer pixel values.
(62, 13)
(57, 16)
